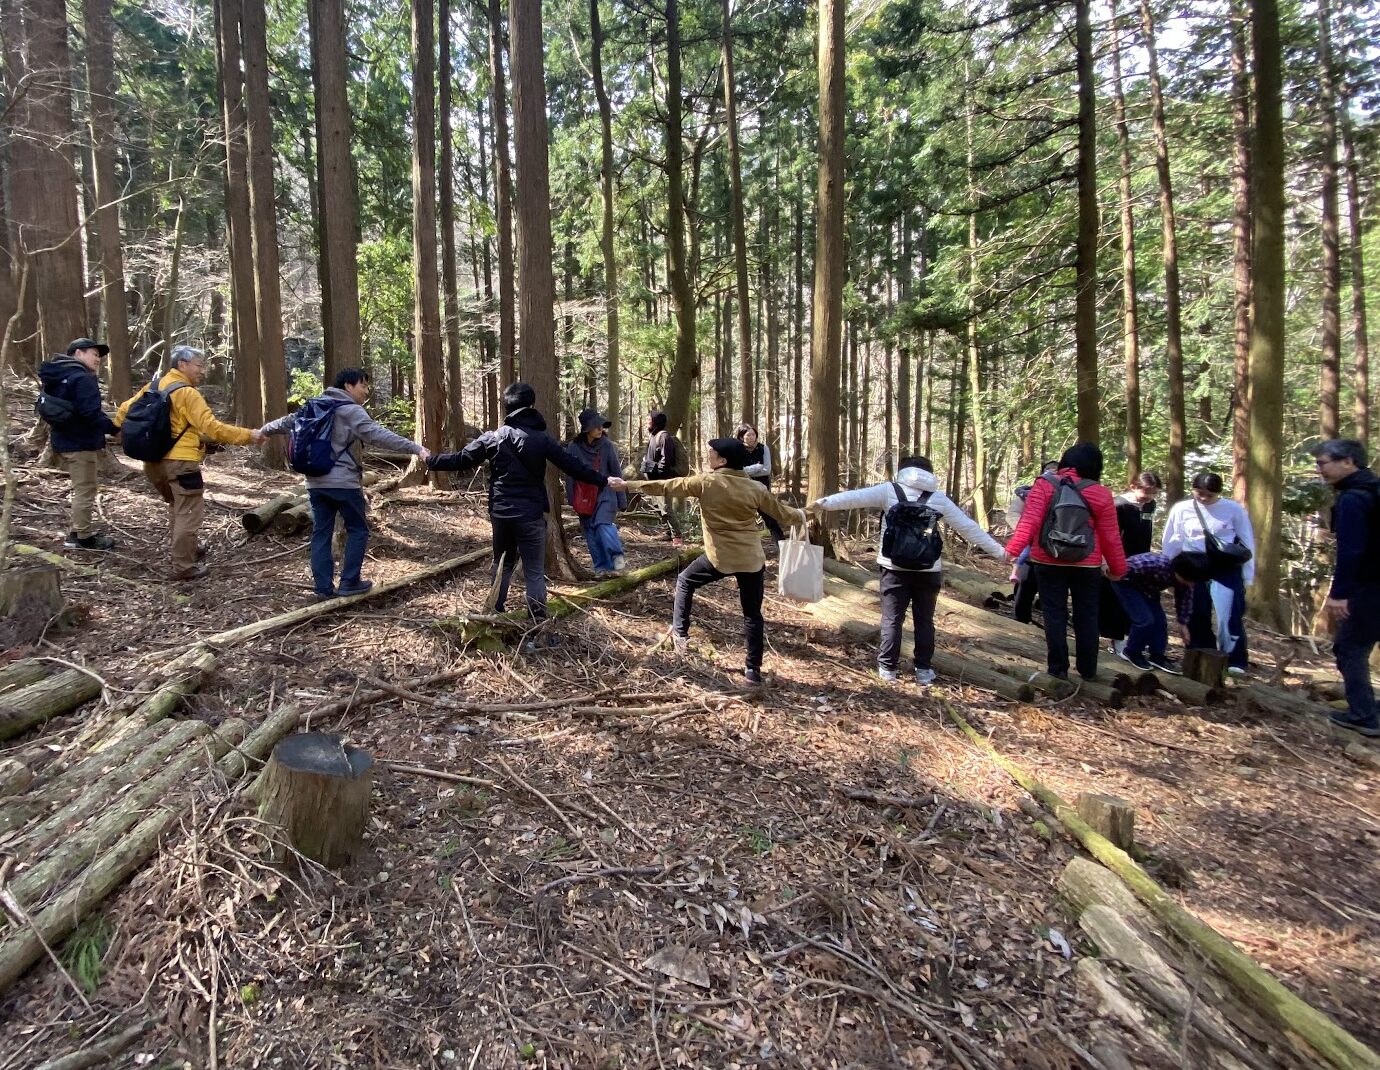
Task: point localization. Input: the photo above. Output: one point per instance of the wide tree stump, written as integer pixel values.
(1206, 666)
(1110, 817)
(30, 598)
(316, 789)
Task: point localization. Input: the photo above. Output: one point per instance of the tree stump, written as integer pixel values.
(30, 598)
(316, 789)
(1206, 666)
(1110, 817)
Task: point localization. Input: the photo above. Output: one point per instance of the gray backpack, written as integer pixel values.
(1067, 532)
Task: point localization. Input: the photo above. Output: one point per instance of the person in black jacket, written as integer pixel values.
(1135, 520)
(517, 454)
(78, 440)
(663, 461)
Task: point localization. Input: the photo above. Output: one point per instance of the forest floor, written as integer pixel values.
(752, 916)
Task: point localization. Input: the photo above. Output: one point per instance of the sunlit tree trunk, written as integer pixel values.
(426, 324)
(683, 368)
(1130, 329)
(503, 198)
(450, 289)
(1329, 387)
(1359, 330)
(1085, 296)
(614, 378)
(740, 261)
(1241, 252)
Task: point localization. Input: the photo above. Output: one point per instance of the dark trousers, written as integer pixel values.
(1149, 626)
(1026, 591)
(1200, 631)
(777, 535)
(1112, 621)
(326, 504)
(918, 591)
(523, 540)
(1060, 584)
(1356, 638)
(751, 587)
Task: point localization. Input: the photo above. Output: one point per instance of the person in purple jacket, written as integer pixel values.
(1147, 576)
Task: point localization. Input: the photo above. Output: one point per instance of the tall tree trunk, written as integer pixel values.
(770, 224)
(904, 442)
(455, 409)
(1130, 329)
(1173, 328)
(740, 261)
(537, 299)
(100, 82)
(974, 357)
(491, 413)
(798, 355)
(1329, 392)
(1267, 330)
(248, 386)
(1085, 296)
(337, 221)
(827, 322)
(1359, 330)
(614, 378)
(264, 223)
(174, 269)
(685, 367)
(1241, 251)
(503, 198)
(430, 367)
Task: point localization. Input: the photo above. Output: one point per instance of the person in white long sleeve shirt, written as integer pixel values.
(1226, 520)
(917, 589)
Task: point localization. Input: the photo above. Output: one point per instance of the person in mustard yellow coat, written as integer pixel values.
(177, 477)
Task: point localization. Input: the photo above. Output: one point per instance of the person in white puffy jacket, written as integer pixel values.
(917, 589)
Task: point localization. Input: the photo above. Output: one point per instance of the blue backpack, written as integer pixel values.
(309, 448)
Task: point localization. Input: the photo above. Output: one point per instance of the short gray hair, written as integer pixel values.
(1342, 449)
(183, 354)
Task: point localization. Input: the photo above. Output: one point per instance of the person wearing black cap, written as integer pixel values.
(598, 508)
(79, 437)
(516, 454)
(729, 503)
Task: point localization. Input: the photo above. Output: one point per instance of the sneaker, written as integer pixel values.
(188, 575)
(680, 643)
(323, 596)
(753, 676)
(1236, 670)
(619, 562)
(602, 573)
(1165, 663)
(345, 590)
(1369, 729)
(888, 675)
(1139, 661)
(924, 677)
(1118, 647)
(88, 542)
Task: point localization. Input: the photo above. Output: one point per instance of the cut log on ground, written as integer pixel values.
(248, 756)
(292, 519)
(1110, 817)
(956, 669)
(85, 570)
(25, 707)
(261, 517)
(1208, 667)
(30, 602)
(316, 790)
(15, 776)
(23, 673)
(1314, 1033)
(100, 1052)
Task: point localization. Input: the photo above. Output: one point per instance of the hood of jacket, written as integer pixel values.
(528, 419)
(1358, 480)
(59, 366)
(917, 479)
(336, 393)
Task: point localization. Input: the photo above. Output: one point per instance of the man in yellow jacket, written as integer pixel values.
(177, 477)
(729, 504)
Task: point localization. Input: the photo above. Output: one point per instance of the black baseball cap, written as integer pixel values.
(87, 343)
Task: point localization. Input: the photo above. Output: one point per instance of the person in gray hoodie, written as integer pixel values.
(917, 589)
(340, 492)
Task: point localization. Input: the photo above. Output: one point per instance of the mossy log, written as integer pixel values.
(21, 947)
(23, 673)
(1084, 883)
(960, 669)
(1099, 691)
(1110, 817)
(25, 707)
(100, 1052)
(184, 677)
(1273, 700)
(60, 783)
(317, 790)
(249, 755)
(495, 632)
(1315, 1034)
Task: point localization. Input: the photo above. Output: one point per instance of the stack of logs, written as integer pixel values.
(289, 513)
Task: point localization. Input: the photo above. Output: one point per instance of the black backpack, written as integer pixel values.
(309, 449)
(146, 433)
(1066, 534)
(677, 460)
(911, 539)
(52, 409)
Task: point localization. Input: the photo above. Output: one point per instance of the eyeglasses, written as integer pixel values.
(1326, 460)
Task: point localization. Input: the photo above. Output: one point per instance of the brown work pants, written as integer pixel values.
(179, 483)
(81, 466)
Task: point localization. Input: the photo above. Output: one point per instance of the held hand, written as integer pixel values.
(425, 455)
(1337, 609)
(257, 438)
(618, 483)
(1015, 576)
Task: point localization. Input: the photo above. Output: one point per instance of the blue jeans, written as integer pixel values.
(326, 504)
(1356, 638)
(603, 543)
(1200, 631)
(1149, 628)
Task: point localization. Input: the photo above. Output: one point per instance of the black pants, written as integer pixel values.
(1112, 621)
(919, 591)
(1356, 638)
(777, 535)
(1026, 591)
(1059, 584)
(523, 540)
(751, 586)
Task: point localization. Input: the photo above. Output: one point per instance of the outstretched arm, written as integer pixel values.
(967, 527)
(680, 487)
(472, 456)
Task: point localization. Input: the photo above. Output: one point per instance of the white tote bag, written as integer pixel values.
(800, 575)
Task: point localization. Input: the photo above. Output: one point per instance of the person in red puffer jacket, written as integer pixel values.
(1081, 580)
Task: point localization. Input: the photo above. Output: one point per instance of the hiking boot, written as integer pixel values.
(924, 677)
(190, 575)
(1165, 663)
(1369, 729)
(347, 589)
(680, 643)
(1139, 661)
(323, 596)
(888, 675)
(88, 542)
(753, 677)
